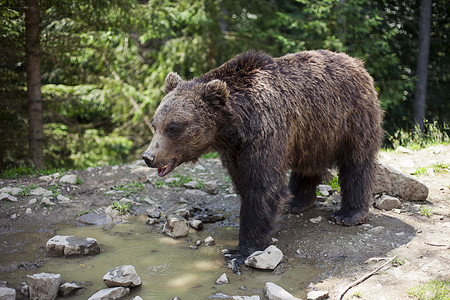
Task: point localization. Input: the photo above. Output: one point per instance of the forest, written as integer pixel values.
(99, 66)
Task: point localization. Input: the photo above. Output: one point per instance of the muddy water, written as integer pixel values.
(168, 267)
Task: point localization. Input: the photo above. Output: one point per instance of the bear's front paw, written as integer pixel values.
(351, 218)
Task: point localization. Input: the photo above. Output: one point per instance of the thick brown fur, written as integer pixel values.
(305, 112)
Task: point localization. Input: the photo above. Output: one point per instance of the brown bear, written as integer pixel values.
(305, 112)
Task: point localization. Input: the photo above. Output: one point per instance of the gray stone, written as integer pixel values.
(61, 245)
(28, 211)
(388, 203)
(95, 218)
(223, 279)
(14, 191)
(176, 226)
(40, 192)
(211, 187)
(124, 276)
(68, 288)
(324, 189)
(63, 199)
(275, 292)
(32, 201)
(196, 224)
(210, 218)
(153, 213)
(7, 293)
(6, 196)
(24, 289)
(110, 294)
(392, 182)
(267, 259)
(47, 201)
(254, 297)
(317, 295)
(43, 286)
(71, 179)
(137, 298)
(191, 184)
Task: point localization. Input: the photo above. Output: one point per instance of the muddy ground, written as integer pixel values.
(339, 253)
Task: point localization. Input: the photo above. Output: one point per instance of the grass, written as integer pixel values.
(432, 290)
(56, 189)
(357, 295)
(26, 190)
(29, 172)
(121, 207)
(437, 168)
(129, 188)
(210, 155)
(334, 183)
(415, 139)
(398, 262)
(424, 211)
(84, 213)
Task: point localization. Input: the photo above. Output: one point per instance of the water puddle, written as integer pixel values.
(168, 267)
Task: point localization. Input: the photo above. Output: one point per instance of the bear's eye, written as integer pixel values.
(174, 130)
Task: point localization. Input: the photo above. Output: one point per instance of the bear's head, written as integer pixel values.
(186, 122)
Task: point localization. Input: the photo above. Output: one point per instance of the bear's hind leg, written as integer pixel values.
(304, 190)
(356, 188)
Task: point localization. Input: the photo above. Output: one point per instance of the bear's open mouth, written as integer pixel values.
(163, 171)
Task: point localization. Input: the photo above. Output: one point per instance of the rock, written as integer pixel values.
(151, 221)
(402, 149)
(28, 211)
(388, 203)
(176, 226)
(124, 276)
(267, 259)
(211, 187)
(139, 298)
(184, 210)
(70, 179)
(5, 196)
(209, 241)
(191, 184)
(325, 190)
(275, 292)
(317, 295)
(95, 218)
(14, 191)
(223, 279)
(68, 288)
(40, 192)
(47, 201)
(225, 296)
(211, 218)
(153, 213)
(63, 199)
(61, 245)
(394, 183)
(46, 178)
(196, 224)
(316, 220)
(43, 286)
(110, 294)
(32, 201)
(24, 289)
(172, 180)
(7, 293)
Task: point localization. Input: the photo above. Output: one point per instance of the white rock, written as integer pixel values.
(13, 216)
(32, 201)
(62, 245)
(402, 149)
(275, 292)
(40, 192)
(176, 226)
(47, 201)
(191, 184)
(388, 203)
(46, 178)
(124, 276)
(43, 286)
(110, 294)
(223, 279)
(71, 179)
(10, 190)
(137, 298)
(209, 241)
(7, 293)
(317, 295)
(28, 211)
(316, 220)
(5, 196)
(267, 259)
(196, 224)
(63, 199)
(68, 288)
(254, 297)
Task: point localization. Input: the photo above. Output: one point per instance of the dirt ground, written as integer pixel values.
(421, 243)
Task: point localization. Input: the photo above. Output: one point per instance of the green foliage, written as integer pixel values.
(121, 207)
(432, 290)
(398, 262)
(29, 172)
(437, 168)
(424, 211)
(334, 183)
(210, 155)
(434, 135)
(26, 190)
(181, 180)
(129, 188)
(84, 213)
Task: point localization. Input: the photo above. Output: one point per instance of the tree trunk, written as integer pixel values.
(33, 63)
(422, 62)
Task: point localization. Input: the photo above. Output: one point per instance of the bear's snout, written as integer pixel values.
(149, 159)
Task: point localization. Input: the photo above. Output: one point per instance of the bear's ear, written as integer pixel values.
(172, 81)
(216, 92)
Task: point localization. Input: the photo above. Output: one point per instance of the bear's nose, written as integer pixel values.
(149, 159)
